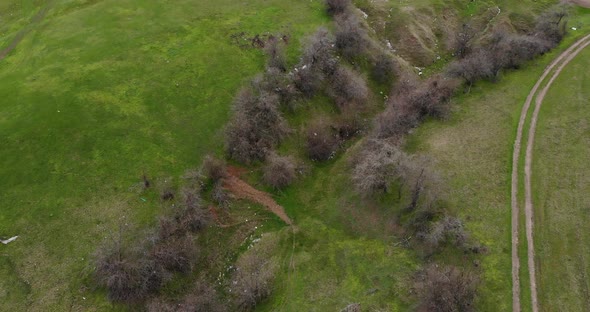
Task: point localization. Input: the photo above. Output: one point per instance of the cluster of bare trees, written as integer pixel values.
(131, 272)
(505, 50)
(446, 289)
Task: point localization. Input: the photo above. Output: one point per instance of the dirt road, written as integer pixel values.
(562, 61)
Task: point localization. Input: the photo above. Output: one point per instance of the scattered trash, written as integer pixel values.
(143, 199)
(574, 28)
(10, 240)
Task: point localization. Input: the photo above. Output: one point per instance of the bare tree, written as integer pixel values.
(254, 275)
(352, 39)
(321, 142)
(275, 52)
(336, 7)
(256, 127)
(279, 172)
(446, 289)
(349, 89)
(377, 167)
(384, 69)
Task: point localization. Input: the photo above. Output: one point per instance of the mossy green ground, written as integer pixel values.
(100, 92)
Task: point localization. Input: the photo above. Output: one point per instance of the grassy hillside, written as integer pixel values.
(98, 93)
(561, 188)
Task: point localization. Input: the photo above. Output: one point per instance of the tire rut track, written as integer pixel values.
(568, 55)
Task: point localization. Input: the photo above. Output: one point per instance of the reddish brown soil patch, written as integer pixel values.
(243, 190)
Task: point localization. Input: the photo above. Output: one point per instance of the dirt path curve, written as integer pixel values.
(243, 190)
(568, 55)
(21, 34)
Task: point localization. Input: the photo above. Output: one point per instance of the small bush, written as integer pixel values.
(257, 126)
(349, 124)
(336, 7)
(219, 195)
(384, 69)
(552, 25)
(511, 51)
(127, 278)
(279, 172)
(446, 289)
(351, 37)
(213, 168)
(255, 272)
(349, 89)
(321, 143)
(275, 53)
(377, 166)
(318, 53)
(175, 255)
(476, 66)
(447, 230)
(193, 217)
(432, 97)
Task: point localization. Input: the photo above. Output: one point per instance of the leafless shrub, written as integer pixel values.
(349, 124)
(279, 172)
(432, 97)
(336, 7)
(203, 298)
(169, 227)
(214, 168)
(192, 217)
(279, 83)
(353, 307)
(318, 53)
(396, 121)
(256, 127)
(351, 37)
(384, 69)
(348, 88)
(476, 66)
(219, 195)
(193, 178)
(146, 182)
(463, 40)
(255, 273)
(275, 52)
(165, 187)
(127, 277)
(447, 230)
(446, 289)
(321, 143)
(377, 167)
(174, 254)
(307, 81)
(511, 51)
(552, 24)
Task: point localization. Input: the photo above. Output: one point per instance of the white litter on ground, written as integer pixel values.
(574, 28)
(10, 240)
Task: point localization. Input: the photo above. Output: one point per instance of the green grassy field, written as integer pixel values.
(98, 93)
(561, 185)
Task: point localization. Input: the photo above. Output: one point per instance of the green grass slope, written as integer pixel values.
(96, 94)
